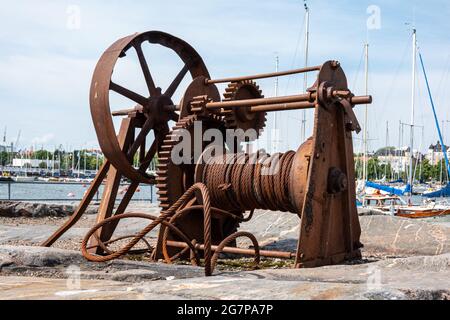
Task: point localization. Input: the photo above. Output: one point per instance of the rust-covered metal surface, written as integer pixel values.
(206, 199)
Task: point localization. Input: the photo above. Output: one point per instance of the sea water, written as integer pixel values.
(69, 191)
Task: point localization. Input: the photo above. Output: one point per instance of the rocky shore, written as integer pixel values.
(39, 209)
(402, 259)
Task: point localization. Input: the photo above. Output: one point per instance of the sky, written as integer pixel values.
(49, 49)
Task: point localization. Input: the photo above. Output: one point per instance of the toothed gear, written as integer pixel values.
(241, 118)
(174, 179)
(198, 105)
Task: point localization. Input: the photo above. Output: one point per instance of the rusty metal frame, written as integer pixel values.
(317, 182)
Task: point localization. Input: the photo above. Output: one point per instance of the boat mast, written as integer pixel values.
(275, 132)
(73, 159)
(53, 161)
(413, 82)
(386, 151)
(366, 86)
(420, 168)
(305, 75)
(440, 160)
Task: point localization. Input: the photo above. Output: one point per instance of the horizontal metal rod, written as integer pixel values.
(171, 107)
(301, 101)
(260, 101)
(282, 106)
(361, 100)
(265, 75)
(263, 253)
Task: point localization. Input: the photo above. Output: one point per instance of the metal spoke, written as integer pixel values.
(136, 97)
(142, 151)
(144, 66)
(148, 125)
(145, 163)
(176, 82)
(174, 116)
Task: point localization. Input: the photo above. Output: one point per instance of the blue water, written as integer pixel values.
(69, 192)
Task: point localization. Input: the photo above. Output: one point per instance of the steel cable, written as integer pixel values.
(253, 181)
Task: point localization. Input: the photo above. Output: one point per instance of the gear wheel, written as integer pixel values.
(174, 179)
(198, 105)
(241, 118)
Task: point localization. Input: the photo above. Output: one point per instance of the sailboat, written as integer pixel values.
(444, 192)
(394, 205)
(387, 199)
(388, 189)
(361, 185)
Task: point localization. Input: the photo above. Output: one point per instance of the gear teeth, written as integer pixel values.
(163, 179)
(170, 142)
(198, 104)
(229, 115)
(166, 147)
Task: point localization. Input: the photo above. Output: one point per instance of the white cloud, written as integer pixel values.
(45, 139)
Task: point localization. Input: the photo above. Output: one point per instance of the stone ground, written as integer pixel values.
(402, 259)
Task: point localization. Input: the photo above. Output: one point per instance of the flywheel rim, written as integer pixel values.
(101, 86)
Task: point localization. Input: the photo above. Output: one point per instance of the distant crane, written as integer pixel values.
(4, 136)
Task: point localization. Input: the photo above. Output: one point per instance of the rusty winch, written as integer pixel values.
(209, 187)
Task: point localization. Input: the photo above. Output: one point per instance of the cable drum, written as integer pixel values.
(249, 181)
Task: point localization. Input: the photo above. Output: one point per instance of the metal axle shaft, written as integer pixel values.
(263, 253)
(264, 75)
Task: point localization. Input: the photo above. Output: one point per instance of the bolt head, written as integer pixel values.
(337, 181)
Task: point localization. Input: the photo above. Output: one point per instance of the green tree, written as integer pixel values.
(427, 170)
(41, 154)
(4, 158)
(373, 169)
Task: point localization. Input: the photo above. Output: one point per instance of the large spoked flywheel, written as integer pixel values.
(152, 111)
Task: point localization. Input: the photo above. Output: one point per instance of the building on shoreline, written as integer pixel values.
(397, 158)
(34, 163)
(435, 153)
